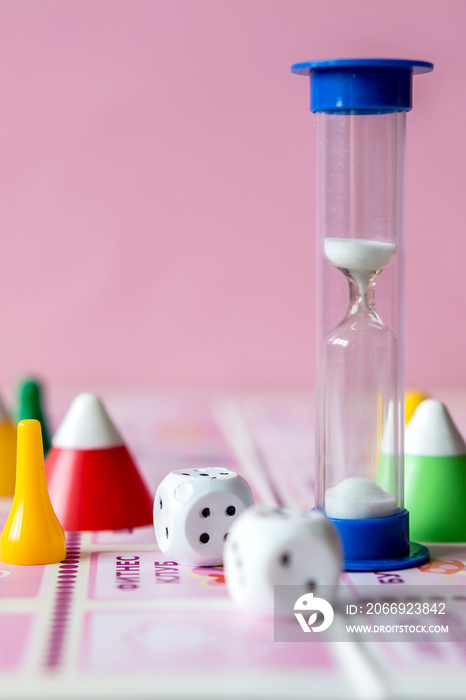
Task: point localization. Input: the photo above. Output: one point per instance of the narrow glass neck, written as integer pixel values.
(362, 296)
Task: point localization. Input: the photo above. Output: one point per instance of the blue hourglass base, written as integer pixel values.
(379, 544)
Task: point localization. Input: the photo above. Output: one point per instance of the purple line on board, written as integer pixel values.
(66, 581)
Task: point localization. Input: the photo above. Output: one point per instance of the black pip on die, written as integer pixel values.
(194, 510)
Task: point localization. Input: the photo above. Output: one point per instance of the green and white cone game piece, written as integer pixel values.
(435, 475)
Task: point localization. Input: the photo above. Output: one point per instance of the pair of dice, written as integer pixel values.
(204, 516)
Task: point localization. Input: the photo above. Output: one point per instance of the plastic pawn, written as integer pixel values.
(32, 534)
(31, 405)
(435, 475)
(93, 481)
(7, 453)
(413, 397)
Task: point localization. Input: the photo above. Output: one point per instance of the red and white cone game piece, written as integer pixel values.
(92, 479)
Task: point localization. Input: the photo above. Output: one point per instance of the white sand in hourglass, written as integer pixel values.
(360, 257)
(358, 497)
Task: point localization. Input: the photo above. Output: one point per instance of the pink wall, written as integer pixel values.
(156, 180)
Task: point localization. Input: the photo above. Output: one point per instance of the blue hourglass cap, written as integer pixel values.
(361, 85)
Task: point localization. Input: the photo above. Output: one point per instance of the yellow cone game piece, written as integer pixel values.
(7, 453)
(32, 534)
(413, 398)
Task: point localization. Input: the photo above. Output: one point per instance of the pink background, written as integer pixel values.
(156, 180)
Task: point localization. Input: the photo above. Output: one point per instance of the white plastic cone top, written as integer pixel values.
(87, 426)
(431, 432)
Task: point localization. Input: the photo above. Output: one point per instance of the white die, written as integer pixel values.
(194, 510)
(280, 546)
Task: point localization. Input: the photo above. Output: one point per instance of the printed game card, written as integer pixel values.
(149, 576)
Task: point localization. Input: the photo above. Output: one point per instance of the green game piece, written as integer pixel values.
(30, 402)
(435, 495)
(435, 475)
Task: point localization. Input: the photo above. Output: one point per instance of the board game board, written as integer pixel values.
(115, 619)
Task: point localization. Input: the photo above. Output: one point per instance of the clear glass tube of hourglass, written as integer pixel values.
(360, 192)
(360, 364)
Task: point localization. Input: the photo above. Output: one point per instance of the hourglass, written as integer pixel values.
(360, 107)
